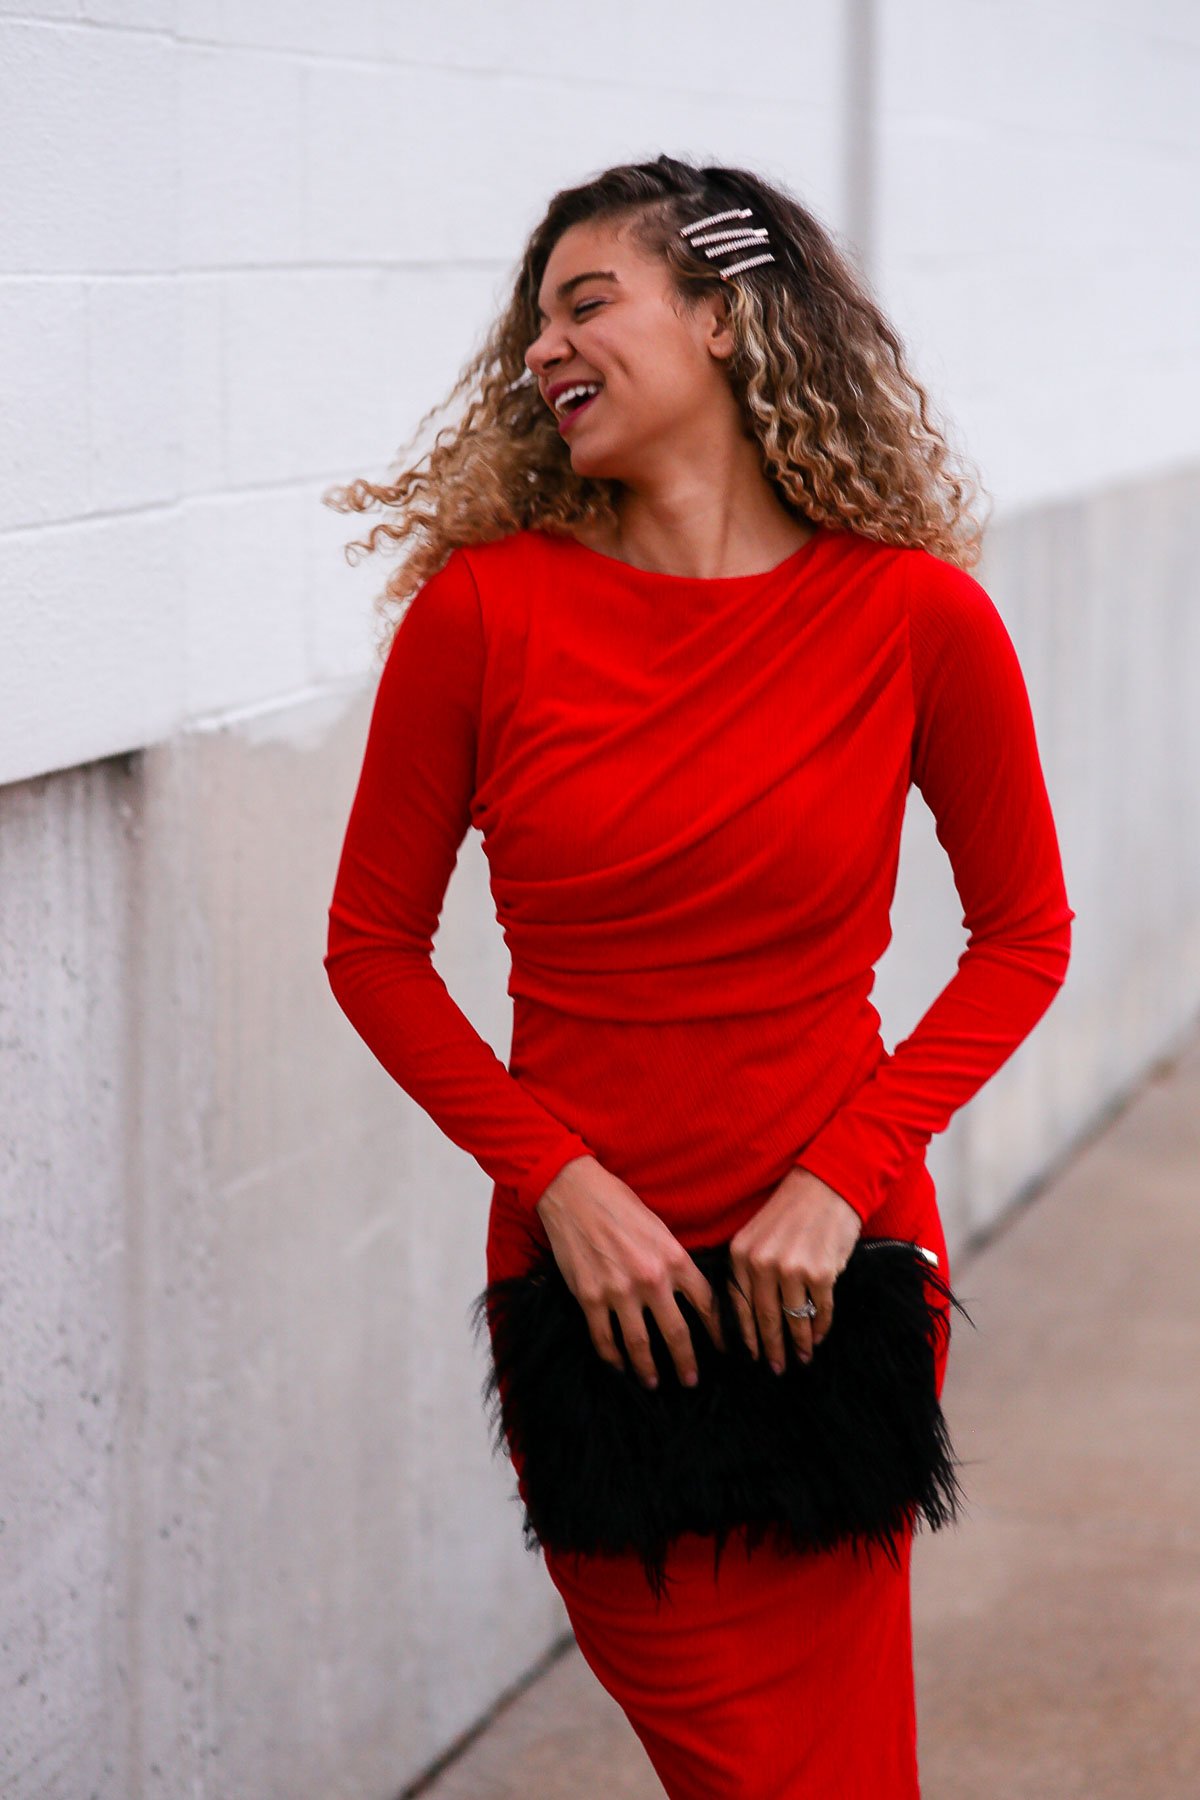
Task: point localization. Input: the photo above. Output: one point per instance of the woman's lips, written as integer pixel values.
(569, 418)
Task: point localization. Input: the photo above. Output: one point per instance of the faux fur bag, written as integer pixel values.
(852, 1447)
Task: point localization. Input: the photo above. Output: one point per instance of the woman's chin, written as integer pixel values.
(597, 461)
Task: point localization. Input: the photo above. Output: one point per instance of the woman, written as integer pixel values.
(688, 615)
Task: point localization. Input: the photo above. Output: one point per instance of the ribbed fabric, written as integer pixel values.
(690, 794)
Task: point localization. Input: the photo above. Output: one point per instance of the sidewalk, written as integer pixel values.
(1057, 1628)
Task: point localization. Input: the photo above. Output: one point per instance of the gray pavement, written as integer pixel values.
(1057, 1628)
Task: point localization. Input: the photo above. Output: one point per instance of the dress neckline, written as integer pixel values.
(794, 557)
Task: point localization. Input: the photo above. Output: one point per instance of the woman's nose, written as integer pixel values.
(541, 353)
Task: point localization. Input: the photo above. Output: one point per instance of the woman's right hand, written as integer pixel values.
(617, 1256)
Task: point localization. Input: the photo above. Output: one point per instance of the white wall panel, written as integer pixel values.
(247, 246)
(1039, 232)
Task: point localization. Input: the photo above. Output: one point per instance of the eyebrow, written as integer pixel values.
(566, 287)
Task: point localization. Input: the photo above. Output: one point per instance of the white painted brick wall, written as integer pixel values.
(1039, 208)
(247, 243)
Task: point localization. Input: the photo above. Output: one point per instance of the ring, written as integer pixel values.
(807, 1311)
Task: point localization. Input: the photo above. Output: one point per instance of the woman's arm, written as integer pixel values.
(975, 759)
(410, 814)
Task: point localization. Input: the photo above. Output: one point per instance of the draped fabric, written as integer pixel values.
(690, 793)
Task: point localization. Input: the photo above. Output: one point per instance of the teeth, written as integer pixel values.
(568, 394)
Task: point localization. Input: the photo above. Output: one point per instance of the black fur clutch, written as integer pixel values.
(852, 1447)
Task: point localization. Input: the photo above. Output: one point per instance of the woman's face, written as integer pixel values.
(610, 314)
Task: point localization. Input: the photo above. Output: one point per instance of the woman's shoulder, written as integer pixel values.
(950, 613)
(506, 576)
(510, 554)
(960, 644)
(936, 589)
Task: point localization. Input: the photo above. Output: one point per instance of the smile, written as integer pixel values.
(569, 417)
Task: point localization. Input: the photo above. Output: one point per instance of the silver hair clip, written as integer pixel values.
(737, 237)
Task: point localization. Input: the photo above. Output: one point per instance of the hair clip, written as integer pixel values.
(737, 237)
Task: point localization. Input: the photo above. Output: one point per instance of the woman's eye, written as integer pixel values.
(584, 303)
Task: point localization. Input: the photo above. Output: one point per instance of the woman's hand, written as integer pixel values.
(618, 1257)
(796, 1244)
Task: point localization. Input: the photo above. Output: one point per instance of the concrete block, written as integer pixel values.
(309, 27)
(134, 348)
(201, 425)
(43, 425)
(94, 667)
(239, 192)
(130, 15)
(92, 112)
(301, 391)
(639, 46)
(243, 582)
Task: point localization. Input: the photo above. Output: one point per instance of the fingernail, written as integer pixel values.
(806, 1356)
(691, 1379)
(777, 1366)
(652, 1382)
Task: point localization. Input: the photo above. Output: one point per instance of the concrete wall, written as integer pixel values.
(253, 1541)
(1100, 594)
(1034, 230)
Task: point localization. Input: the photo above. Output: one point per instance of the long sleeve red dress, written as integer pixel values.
(690, 793)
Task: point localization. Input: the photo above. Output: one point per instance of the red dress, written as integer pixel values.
(690, 793)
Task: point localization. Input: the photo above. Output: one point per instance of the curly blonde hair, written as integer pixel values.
(847, 435)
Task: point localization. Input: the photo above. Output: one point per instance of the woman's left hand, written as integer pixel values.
(797, 1244)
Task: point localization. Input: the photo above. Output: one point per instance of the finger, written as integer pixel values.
(823, 1295)
(739, 1293)
(692, 1284)
(637, 1343)
(794, 1292)
(770, 1317)
(674, 1328)
(600, 1326)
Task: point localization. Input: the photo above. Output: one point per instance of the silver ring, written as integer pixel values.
(807, 1311)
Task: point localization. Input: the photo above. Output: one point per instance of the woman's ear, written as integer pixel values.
(718, 326)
